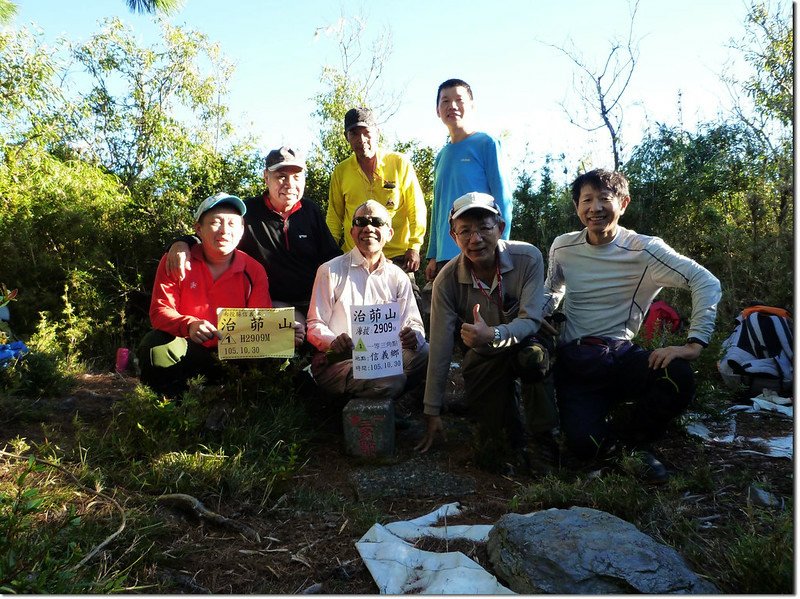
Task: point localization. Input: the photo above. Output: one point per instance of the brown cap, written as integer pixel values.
(358, 117)
(284, 156)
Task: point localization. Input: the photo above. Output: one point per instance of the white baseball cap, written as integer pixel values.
(471, 201)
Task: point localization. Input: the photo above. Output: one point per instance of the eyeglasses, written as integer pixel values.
(375, 221)
(483, 232)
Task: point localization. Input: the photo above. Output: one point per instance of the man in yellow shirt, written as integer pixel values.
(386, 177)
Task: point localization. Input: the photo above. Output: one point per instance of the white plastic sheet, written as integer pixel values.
(769, 406)
(698, 429)
(412, 530)
(399, 568)
(777, 447)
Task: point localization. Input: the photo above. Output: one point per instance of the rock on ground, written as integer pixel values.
(585, 551)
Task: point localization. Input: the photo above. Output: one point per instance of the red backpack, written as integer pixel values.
(660, 318)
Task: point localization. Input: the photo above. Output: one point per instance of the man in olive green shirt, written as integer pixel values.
(386, 177)
(491, 296)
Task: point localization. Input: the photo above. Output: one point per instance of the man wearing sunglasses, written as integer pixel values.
(363, 276)
(489, 297)
(387, 177)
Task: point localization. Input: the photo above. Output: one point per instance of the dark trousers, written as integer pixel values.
(167, 362)
(595, 376)
(507, 397)
(400, 261)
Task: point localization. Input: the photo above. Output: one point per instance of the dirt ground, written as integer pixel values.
(314, 551)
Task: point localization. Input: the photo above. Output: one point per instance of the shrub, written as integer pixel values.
(45, 533)
(43, 372)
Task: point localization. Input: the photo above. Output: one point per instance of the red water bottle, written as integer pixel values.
(123, 355)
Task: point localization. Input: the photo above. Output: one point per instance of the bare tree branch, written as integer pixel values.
(600, 91)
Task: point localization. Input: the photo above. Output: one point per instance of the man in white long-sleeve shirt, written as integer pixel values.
(610, 276)
(363, 276)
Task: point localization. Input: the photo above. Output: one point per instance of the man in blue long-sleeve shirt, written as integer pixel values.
(470, 161)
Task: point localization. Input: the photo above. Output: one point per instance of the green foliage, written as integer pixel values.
(206, 471)
(7, 10)
(244, 438)
(768, 47)
(728, 217)
(155, 445)
(760, 556)
(43, 538)
(540, 215)
(43, 372)
(360, 515)
(69, 212)
(619, 494)
(28, 89)
(132, 130)
(98, 181)
(152, 6)
(423, 158)
(147, 423)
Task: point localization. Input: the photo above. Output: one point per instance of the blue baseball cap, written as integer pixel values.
(216, 200)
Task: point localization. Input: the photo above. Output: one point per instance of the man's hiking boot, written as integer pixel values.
(637, 460)
(654, 472)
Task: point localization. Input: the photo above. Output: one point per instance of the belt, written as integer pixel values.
(590, 341)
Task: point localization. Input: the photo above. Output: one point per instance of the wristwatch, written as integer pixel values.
(496, 335)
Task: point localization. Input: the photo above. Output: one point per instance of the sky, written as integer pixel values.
(503, 49)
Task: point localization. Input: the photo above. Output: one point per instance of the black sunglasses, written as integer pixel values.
(375, 221)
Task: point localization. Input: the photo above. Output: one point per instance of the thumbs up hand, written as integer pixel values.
(478, 333)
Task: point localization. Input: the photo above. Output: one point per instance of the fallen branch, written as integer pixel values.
(182, 580)
(193, 505)
(299, 558)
